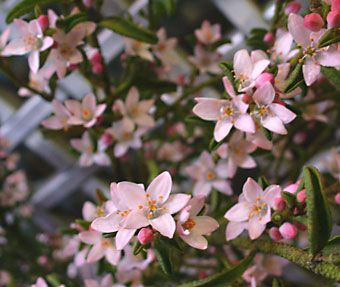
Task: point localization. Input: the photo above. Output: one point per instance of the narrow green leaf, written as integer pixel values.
(225, 277)
(263, 182)
(69, 231)
(137, 247)
(332, 246)
(163, 254)
(226, 69)
(289, 198)
(318, 213)
(278, 283)
(128, 29)
(330, 37)
(169, 6)
(332, 74)
(27, 6)
(83, 223)
(295, 78)
(53, 280)
(212, 47)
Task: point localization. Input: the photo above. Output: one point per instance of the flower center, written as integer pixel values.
(106, 243)
(89, 149)
(126, 136)
(210, 175)
(262, 110)
(257, 208)
(189, 224)
(99, 211)
(152, 205)
(226, 111)
(86, 114)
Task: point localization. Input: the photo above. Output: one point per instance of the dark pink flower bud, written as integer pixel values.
(97, 58)
(269, 38)
(99, 119)
(43, 21)
(73, 67)
(301, 196)
(282, 103)
(300, 226)
(275, 234)
(247, 99)
(279, 204)
(88, 3)
(335, 4)
(333, 19)
(264, 78)
(300, 137)
(107, 139)
(145, 236)
(293, 7)
(313, 22)
(202, 275)
(337, 198)
(97, 68)
(288, 230)
(42, 260)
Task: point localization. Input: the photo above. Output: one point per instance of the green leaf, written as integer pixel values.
(225, 277)
(332, 74)
(100, 196)
(332, 246)
(70, 21)
(295, 78)
(330, 37)
(128, 29)
(83, 223)
(267, 133)
(27, 6)
(69, 231)
(318, 213)
(53, 280)
(163, 254)
(212, 47)
(168, 5)
(263, 182)
(278, 283)
(289, 198)
(226, 69)
(137, 247)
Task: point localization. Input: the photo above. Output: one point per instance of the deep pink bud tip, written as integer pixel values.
(269, 38)
(335, 4)
(288, 230)
(275, 234)
(145, 236)
(333, 19)
(293, 7)
(98, 68)
(313, 22)
(279, 204)
(337, 198)
(43, 21)
(301, 196)
(107, 139)
(97, 58)
(264, 78)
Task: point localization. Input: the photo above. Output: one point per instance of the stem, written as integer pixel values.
(276, 18)
(293, 254)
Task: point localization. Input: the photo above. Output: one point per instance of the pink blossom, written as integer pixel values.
(254, 207)
(271, 115)
(282, 49)
(314, 56)
(208, 33)
(264, 78)
(101, 247)
(279, 204)
(60, 119)
(209, 175)
(3, 39)
(135, 111)
(269, 38)
(137, 48)
(106, 281)
(43, 21)
(153, 207)
(191, 227)
(248, 68)
(237, 151)
(164, 49)
(205, 61)
(14, 189)
(88, 156)
(32, 41)
(259, 139)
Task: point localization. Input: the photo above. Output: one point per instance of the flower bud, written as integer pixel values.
(293, 7)
(288, 230)
(313, 22)
(335, 4)
(145, 236)
(73, 67)
(269, 38)
(247, 99)
(107, 139)
(279, 204)
(97, 68)
(333, 19)
(97, 58)
(337, 198)
(292, 188)
(275, 234)
(300, 226)
(43, 21)
(264, 78)
(88, 3)
(301, 196)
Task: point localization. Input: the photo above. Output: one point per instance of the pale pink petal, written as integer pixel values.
(282, 112)
(222, 186)
(112, 255)
(41, 282)
(107, 281)
(74, 107)
(222, 129)
(89, 211)
(202, 188)
(245, 122)
(164, 224)
(228, 87)
(242, 63)
(47, 42)
(311, 72)
(274, 124)
(331, 58)
(132, 98)
(160, 187)
(238, 213)
(259, 67)
(22, 27)
(16, 47)
(4, 37)
(298, 30)
(176, 202)
(99, 110)
(222, 169)
(247, 162)
(196, 241)
(258, 55)
(89, 103)
(123, 237)
(145, 120)
(52, 123)
(136, 219)
(90, 237)
(208, 109)
(91, 283)
(232, 168)
(196, 204)
(270, 194)
(251, 190)
(264, 95)
(222, 151)
(204, 225)
(132, 194)
(255, 228)
(234, 229)
(206, 160)
(108, 223)
(120, 149)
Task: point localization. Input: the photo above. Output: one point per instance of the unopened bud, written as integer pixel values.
(264, 78)
(107, 139)
(279, 204)
(43, 21)
(313, 22)
(98, 68)
(293, 7)
(269, 38)
(333, 19)
(275, 234)
(337, 198)
(300, 226)
(247, 99)
(73, 67)
(145, 236)
(97, 58)
(335, 4)
(301, 196)
(288, 230)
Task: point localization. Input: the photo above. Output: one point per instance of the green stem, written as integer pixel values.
(276, 18)
(293, 254)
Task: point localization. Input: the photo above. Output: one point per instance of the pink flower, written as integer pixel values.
(254, 207)
(271, 115)
(282, 49)
(3, 39)
(135, 111)
(314, 56)
(101, 247)
(40, 283)
(84, 113)
(333, 19)
(248, 68)
(208, 175)
(32, 41)
(153, 207)
(259, 139)
(164, 49)
(292, 7)
(88, 156)
(114, 221)
(106, 281)
(137, 48)
(237, 151)
(208, 33)
(205, 61)
(337, 198)
(191, 227)
(60, 119)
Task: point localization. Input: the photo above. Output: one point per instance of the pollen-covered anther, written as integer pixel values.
(189, 224)
(140, 207)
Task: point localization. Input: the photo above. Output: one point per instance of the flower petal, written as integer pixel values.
(207, 109)
(108, 223)
(238, 213)
(234, 229)
(164, 224)
(204, 225)
(264, 95)
(136, 219)
(310, 72)
(255, 228)
(298, 30)
(132, 194)
(160, 188)
(195, 241)
(282, 112)
(176, 202)
(270, 194)
(123, 237)
(252, 190)
(97, 252)
(90, 237)
(222, 129)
